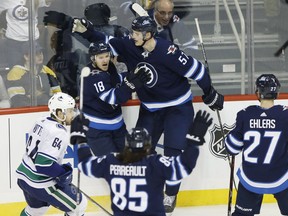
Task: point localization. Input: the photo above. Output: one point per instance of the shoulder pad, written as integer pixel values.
(95, 71)
(172, 49)
(61, 126)
(175, 18)
(47, 70)
(16, 73)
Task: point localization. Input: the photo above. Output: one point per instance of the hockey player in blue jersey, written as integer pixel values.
(261, 134)
(136, 177)
(103, 93)
(42, 176)
(166, 105)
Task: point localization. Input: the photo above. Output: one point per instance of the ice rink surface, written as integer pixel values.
(219, 210)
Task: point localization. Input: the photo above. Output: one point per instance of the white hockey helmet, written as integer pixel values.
(60, 101)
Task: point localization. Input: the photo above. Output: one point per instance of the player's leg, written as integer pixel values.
(100, 141)
(119, 138)
(176, 125)
(65, 199)
(282, 198)
(61, 198)
(247, 202)
(35, 206)
(152, 122)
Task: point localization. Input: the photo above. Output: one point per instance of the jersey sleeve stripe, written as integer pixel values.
(193, 69)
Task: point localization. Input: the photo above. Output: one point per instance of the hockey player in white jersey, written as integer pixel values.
(42, 176)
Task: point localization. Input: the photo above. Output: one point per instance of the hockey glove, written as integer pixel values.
(66, 178)
(57, 19)
(199, 128)
(138, 78)
(79, 129)
(213, 99)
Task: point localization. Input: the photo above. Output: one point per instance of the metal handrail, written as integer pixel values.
(241, 43)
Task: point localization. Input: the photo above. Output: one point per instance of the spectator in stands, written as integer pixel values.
(4, 98)
(169, 25)
(19, 80)
(17, 25)
(65, 63)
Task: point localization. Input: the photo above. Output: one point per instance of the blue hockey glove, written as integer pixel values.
(79, 129)
(199, 128)
(66, 178)
(213, 99)
(138, 78)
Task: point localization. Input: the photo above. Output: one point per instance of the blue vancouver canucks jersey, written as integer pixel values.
(262, 135)
(137, 188)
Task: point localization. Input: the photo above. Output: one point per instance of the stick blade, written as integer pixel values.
(85, 72)
(139, 9)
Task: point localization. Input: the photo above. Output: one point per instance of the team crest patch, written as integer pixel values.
(20, 13)
(172, 49)
(216, 145)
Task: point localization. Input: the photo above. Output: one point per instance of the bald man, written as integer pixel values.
(170, 27)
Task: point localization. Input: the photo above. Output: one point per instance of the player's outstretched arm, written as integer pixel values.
(199, 128)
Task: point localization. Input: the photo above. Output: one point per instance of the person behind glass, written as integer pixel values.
(4, 98)
(17, 25)
(261, 135)
(65, 62)
(166, 98)
(135, 176)
(170, 26)
(104, 91)
(19, 80)
(98, 16)
(42, 175)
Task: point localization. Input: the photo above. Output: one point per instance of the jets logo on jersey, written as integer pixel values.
(20, 12)
(171, 49)
(151, 70)
(216, 145)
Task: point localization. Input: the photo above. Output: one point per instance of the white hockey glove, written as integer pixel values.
(199, 128)
(80, 25)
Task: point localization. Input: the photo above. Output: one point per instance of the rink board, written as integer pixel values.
(207, 185)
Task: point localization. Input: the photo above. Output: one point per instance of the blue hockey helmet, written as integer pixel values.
(268, 86)
(98, 48)
(137, 139)
(144, 24)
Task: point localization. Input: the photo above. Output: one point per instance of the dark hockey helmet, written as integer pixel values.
(137, 139)
(98, 48)
(268, 86)
(144, 24)
(98, 13)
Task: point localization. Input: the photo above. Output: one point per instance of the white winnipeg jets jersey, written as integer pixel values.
(46, 143)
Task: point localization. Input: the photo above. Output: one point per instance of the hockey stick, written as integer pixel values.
(84, 73)
(138, 9)
(92, 200)
(232, 160)
(281, 49)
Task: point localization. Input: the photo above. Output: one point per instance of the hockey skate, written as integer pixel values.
(169, 204)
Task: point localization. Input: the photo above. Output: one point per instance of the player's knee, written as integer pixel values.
(34, 211)
(80, 209)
